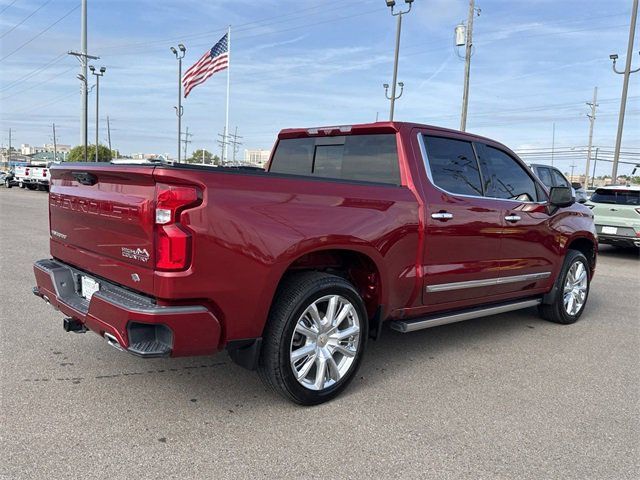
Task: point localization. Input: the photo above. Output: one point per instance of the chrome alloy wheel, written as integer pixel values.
(575, 288)
(325, 342)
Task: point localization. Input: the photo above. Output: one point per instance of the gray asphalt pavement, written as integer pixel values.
(509, 396)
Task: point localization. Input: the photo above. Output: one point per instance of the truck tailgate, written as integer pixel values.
(101, 220)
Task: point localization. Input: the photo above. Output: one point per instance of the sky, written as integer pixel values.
(308, 63)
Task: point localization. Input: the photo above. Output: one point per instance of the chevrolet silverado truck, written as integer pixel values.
(294, 268)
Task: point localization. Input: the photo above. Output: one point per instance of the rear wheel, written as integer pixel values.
(315, 337)
(572, 290)
(7, 183)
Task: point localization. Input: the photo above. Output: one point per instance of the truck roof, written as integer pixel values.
(375, 127)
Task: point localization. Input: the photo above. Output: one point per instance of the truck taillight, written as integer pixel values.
(26, 172)
(44, 172)
(173, 241)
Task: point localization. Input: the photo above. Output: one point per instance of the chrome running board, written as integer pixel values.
(414, 324)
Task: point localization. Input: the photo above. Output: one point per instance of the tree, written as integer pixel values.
(199, 155)
(77, 154)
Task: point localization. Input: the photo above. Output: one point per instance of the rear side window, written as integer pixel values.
(619, 197)
(505, 178)
(453, 165)
(367, 158)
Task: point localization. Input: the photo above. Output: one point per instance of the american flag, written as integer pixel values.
(211, 62)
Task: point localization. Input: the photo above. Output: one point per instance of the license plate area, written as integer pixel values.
(610, 230)
(88, 286)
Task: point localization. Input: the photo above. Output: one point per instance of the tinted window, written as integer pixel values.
(453, 165)
(559, 179)
(294, 156)
(504, 177)
(620, 197)
(369, 158)
(544, 174)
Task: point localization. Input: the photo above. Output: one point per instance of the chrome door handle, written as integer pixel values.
(512, 218)
(442, 216)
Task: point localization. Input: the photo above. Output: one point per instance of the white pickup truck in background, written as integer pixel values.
(32, 177)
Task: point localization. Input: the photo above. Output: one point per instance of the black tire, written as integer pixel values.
(7, 183)
(21, 184)
(555, 311)
(294, 296)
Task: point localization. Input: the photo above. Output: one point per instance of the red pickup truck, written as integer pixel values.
(292, 269)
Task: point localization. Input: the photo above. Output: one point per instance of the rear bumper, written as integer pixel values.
(128, 320)
(618, 240)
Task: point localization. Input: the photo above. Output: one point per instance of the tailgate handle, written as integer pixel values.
(85, 178)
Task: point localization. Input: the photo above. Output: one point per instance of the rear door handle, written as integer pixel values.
(512, 218)
(442, 216)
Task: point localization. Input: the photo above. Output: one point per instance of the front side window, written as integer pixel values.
(367, 158)
(545, 175)
(505, 178)
(559, 179)
(453, 165)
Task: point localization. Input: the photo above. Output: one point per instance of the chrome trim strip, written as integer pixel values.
(406, 326)
(445, 287)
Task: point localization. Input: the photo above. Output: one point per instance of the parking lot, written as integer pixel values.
(508, 396)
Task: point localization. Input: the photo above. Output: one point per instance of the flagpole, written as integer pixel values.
(226, 121)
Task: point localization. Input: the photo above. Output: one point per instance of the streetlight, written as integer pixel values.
(391, 4)
(179, 111)
(625, 87)
(97, 75)
(83, 79)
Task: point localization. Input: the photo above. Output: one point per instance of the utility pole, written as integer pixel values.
(223, 142)
(391, 4)
(592, 120)
(235, 144)
(83, 71)
(595, 161)
(55, 144)
(625, 87)
(179, 110)
(83, 58)
(573, 166)
(186, 141)
(467, 64)
(109, 134)
(9, 152)
(553, 142)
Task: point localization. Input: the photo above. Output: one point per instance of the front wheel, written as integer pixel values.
(314, 339)
(572, 290)
(7, 183)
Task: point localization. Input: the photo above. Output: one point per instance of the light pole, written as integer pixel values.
(179, 111)
(97, 75)
(625, 87)
(391, 4)
(85, 88)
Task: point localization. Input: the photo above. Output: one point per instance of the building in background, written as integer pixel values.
(26, 149)
(257, 158)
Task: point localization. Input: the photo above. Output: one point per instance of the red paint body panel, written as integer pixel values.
(250, 227)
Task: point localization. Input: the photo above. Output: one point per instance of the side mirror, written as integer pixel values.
(561, 197)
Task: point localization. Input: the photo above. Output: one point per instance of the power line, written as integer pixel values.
(38, 84)
(26, 76)
(42, 32)
(10, 5)
(25, 19)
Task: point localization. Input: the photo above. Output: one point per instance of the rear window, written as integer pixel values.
(619, 197)
(367, 158)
